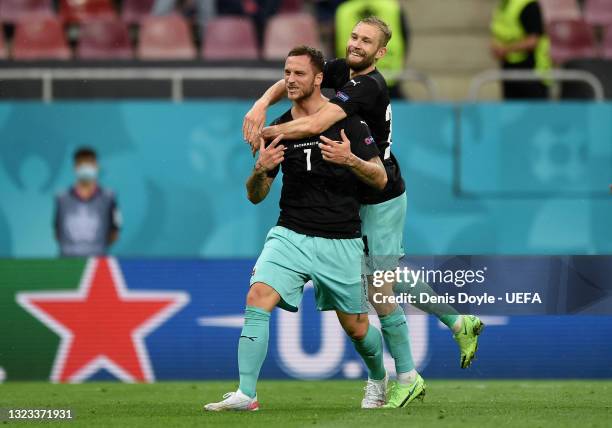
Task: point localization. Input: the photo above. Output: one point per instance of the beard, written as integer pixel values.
(366, 61)
(306, 92)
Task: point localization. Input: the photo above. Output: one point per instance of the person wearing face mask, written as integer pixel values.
(87, 219)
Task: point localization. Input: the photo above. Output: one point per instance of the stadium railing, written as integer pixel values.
(175, 75)
(557, 75)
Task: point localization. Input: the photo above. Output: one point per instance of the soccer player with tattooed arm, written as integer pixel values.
(318, 234)
(362, 90)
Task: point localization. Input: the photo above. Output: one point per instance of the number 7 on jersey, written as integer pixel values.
(308, 152)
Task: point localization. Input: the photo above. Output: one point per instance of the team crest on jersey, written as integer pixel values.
(369, 140)
(342, 96)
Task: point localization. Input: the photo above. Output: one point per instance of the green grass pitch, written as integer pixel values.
(323, 403)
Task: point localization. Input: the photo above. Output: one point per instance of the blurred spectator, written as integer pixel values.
(519, 43)
(390, 11)
(87, 218)
(326, 12)
(259, 10)
(202, 10)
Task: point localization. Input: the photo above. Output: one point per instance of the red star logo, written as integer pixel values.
(102, 324)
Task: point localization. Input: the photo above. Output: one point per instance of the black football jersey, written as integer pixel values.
(320, 198)
(368, 97)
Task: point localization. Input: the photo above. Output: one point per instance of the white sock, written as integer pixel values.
(378, 382)
(458, 324)
(407, 378)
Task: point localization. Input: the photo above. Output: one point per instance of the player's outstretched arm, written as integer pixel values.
(259, 183)
(307, 126)
(371, 172)
(255, 119)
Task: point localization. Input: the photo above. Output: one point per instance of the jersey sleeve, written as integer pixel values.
(531, 19)
(356, 95)
(362, 143)
(330, 73)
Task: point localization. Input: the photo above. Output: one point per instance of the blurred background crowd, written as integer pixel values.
(448, 42)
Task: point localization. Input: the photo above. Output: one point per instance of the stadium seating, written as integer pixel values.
(75, 11)
(598, 12)
(286, 30)
(571, 39)
(607, 43)
(104, 39)
(290, 6)
(39, 38)
(558, 10)
(16, 10)
(230, 37)
(165, 38)
(134, 11)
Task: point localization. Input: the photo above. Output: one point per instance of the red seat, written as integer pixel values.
(3, 54)
(75, 11)
(40, 37)
(559, 10)
(291, 6)
(607, 43)
(134, 11)
(230, 37)
(598, 12)
(166, 37)
(571, 39)
(287, 30)
(16, 10)
(104, 39)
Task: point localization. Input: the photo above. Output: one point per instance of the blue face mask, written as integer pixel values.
(87, 172)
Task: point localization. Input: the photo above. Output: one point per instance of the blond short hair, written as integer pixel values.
(381, 25)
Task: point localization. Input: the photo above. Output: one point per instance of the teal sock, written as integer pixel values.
(449, 319)
(443, 311)
(252, 347)
(395, 331)
(371, 350)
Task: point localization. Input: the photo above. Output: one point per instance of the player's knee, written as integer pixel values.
(260, 295)
(359, 333)
(357, 330)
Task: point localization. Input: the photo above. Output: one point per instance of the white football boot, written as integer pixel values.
(375, 393)
(234, 401)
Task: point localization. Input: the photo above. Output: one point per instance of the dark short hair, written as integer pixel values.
(316, 56)
(84, 153)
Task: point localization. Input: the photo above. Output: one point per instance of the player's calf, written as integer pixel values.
(368, 343)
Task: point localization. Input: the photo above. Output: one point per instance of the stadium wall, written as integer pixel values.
(482, 178)
(72, 320)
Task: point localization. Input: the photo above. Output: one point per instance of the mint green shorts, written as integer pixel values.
(382, 227)
(289, 260)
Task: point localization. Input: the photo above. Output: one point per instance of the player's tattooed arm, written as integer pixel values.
(255, 119)
(259, 183)
(371, 172)
(307, 126)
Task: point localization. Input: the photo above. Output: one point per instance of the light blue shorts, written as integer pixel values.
(289, 260)
(382, 227)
